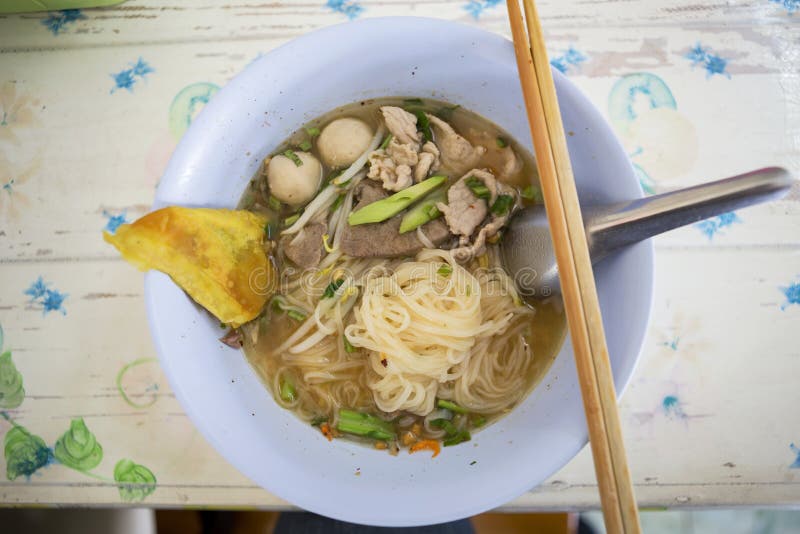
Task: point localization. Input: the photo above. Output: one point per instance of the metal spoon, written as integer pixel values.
(528, 252)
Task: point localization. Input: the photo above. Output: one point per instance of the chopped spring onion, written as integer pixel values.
(305, 146)
(288, 392)
(459, 437)
(289, 153)
(288, 221)
(348, 347)
(386, 141)
(423, 124)
(501, 143)
(392, 205)
(296, 315)
(362, 424)
(531, 192)
(453, 436)
(279, 304)
(269, 230)
(332, 287)
(313, 131)
(446, 425)
(274, 203)
(444, 270)
(478, 188)
(318, 420)
(502, 205)
(425, 211)
(452, 406)
(478, 421)
(446, 112)
(413, 102)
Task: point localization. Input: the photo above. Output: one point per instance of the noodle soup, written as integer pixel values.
(393, 322)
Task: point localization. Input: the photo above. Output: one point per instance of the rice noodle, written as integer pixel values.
(423, 330)
(458, 336)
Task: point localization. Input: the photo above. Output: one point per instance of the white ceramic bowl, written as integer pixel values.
(222, 394)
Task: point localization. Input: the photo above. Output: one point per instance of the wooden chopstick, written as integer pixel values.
(575, 272)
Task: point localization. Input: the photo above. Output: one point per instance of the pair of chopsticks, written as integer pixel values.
(575, 271)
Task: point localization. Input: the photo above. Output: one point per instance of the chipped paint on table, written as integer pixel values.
(93, 102)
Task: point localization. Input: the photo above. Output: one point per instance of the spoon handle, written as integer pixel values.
(618, 225)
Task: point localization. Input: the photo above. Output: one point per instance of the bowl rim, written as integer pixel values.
(178, 168)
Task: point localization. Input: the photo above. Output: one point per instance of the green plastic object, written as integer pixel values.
(26, 6)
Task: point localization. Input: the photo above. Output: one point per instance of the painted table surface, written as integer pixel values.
(93, 102)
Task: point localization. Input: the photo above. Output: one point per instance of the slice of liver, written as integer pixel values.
(305, 248)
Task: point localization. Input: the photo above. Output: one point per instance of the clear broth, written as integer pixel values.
(547, 327)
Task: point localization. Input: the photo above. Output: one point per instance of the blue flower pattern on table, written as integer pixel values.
(141, 68)
(127, 78)
(711, 227)
(57, 21)
(671, 344)
(795, 449)
(187, 104)
(712, 63)
(114, 221)
(631, 95)
(647, 183)
(477, 7)
(638, 89)
(46, 298)
(349, 8)
(570, 58)
(672, 407)
(123, 80)
(792, 293)
(789, 5)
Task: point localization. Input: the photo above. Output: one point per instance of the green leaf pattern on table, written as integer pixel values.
(12, 392)
(25, 452)
(135, 481)
(77, 448)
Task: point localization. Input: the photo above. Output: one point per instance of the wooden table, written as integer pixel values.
(93, 102)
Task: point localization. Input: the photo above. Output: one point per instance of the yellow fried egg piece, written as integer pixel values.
(216, 255)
